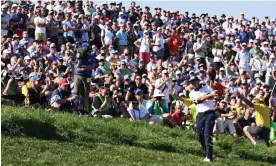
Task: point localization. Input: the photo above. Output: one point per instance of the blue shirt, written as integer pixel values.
(244, 37)
(122, 36)
(84, 64)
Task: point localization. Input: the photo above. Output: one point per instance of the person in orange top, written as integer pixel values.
(175, 42)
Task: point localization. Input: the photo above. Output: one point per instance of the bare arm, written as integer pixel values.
(247, 102)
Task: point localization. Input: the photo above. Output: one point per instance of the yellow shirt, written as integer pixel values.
(187, 102)
(25, 92)
(262, 115)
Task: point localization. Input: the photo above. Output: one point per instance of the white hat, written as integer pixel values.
(4, 6)
(257, 75)
(164, 71)
(159, 28)
(121, 13)
(92, 83)
(6, 51)
(221, 69)
(272, 56)
(158, 93)
(178, 72)
(237, 40)
(243, 44)
(14, 5)
(27, 57)
(251, 41)
(265, 42)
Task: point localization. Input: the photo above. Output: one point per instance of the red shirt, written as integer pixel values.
(174, 42)
(178, 117)
(220, 89)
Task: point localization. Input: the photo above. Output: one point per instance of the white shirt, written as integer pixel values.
(256, 64)
(40, 29)
(207, 104)
(165, 88)
(145, 44)
(108, 36)
(159, 41)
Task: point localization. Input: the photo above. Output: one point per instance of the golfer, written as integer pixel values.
(205, 120)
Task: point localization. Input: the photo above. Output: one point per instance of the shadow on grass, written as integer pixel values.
(48, 131)
(31, 128)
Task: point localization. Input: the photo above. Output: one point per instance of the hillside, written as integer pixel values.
(33, 137)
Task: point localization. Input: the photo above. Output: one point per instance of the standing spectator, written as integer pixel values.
(144, 45)
(107, 35)
(122, 38)
(158, 43)
(68, 28)
(5, 20)
(242, 59)
(40, 26)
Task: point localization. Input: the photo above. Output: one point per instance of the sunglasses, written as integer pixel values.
(138, 78)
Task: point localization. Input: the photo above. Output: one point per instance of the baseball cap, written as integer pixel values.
(221, 69)
(113, 52)
(237, 40)
(272, 56)
(178, 72)
(126, 77)
(257, 75)
(251, 41)
(259, 97)
(6, 51)
(138, 91)
(144, 76)
(164, 71)
(27, 57)
(159, 28)
(243, 44)
(63, 82)
(36, 78)
(193, 79)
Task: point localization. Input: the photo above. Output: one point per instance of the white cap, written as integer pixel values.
(121, 13)
(265, 42)
(257, 75)
(242, 13)
(178, 72)
(243, 44)
(272, 56)
(221, 69)
(4, 6)
(251, 41)
(164, 71)
(27, 57)
(14, 5)
(6, 51)
(237, 40)
(159, 28)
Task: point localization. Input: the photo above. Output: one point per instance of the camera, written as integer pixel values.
(80, 52)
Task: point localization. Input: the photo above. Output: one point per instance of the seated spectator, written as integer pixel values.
(243, 121)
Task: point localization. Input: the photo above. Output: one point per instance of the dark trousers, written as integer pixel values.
(204, 129)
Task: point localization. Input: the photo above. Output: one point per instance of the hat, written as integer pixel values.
(272, 56)
(202, 83)
(257, 75)
(200, 65)
(197, 58)
(223, 101)
(244, 44)
(14, 5)
(159, 28)
(237, 40)
(93, 84)
(191, 72)
(138, 91)
(192, 79)
(244, 82)
(223, 15)
(221, 69)
(181, 94)
(68, 44)
(251, 41)
(121, 13)
(6, 51)
(126, 77)
(164, 71)
(178, 72)
(27, 57)
(52, 45)
(36, 77)
(158, 93)
(63, 82)
(265, 42)
(259, 82)
(255, 41)
(259, 97)
(113, 52)
(15, 36)
(144, 76)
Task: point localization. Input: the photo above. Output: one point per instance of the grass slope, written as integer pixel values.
(33, 137)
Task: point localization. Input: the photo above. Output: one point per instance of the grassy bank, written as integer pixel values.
(33, 137)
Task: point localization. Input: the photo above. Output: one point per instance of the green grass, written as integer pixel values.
(33, 137)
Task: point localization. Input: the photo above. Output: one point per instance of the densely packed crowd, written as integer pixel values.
(109, 60)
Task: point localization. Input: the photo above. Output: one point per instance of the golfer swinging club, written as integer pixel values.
(205, 120)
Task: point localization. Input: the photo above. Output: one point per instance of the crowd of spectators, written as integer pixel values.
(139, 63)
